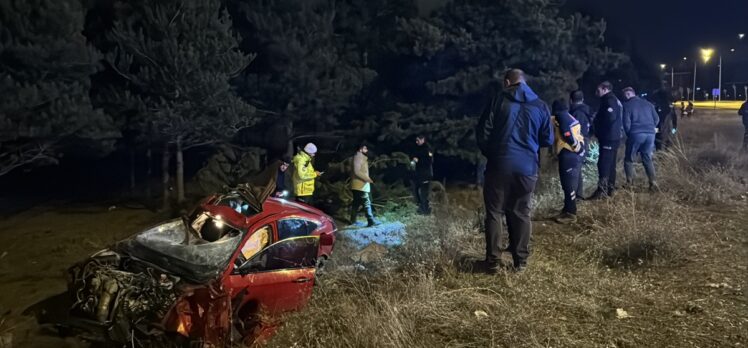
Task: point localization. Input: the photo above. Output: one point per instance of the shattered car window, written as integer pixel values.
(238, 204)
(173, 247)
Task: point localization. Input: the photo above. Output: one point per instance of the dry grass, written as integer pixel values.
(673, 261)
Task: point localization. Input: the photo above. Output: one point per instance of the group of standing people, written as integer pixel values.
(304, 178)
(516, 124)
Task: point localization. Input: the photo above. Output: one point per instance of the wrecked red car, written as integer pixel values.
(215, 278)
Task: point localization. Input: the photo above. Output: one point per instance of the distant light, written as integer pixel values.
(685, 58)
(732, 50)
(706, 54)
(698, 88)
(741, 36)
(663, 66)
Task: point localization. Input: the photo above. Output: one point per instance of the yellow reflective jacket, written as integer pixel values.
(303, 174)
(575, 132)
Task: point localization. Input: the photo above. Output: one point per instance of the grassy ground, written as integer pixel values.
(641, 270)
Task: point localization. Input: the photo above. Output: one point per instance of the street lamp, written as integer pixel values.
(706, 54)
(741, 36)
(663, 66)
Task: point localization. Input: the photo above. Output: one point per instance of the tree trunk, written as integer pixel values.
(148, 171)
(132, 171)
(165, 176)
(180, 173)
(289, 136)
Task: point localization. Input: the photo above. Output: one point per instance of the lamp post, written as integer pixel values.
(706, 55)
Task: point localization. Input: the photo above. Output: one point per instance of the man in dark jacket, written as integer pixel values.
(423, 160)
(744, 112)
(640, 121)
(609, 131)
(668, 125)
(569, 147)
(281, 189)
(510, 133)
(581, 112)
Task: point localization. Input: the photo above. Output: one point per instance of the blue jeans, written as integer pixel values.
(643, 144)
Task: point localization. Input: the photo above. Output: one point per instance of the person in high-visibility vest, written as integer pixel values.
(304, 175)
(569, 147)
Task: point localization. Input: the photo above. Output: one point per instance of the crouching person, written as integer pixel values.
(361, 186)
(569, 147)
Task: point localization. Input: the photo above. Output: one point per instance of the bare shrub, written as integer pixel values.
(634, 231)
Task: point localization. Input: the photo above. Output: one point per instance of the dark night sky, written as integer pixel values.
(664, 31)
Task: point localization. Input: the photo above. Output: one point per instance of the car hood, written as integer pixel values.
(169, 246)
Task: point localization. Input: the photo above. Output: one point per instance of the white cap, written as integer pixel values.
(310, 149)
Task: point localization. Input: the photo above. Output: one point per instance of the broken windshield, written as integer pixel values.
(200, 254)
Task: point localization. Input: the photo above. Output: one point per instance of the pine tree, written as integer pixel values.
(45, 68)
(305, 75)
(178, 57)
(447, 64)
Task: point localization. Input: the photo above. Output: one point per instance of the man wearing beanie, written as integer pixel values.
(569, 147)
(304, 174)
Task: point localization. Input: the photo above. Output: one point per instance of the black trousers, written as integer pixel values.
(569, 167)
(606, 167)
(508, 196)
(421, 193)
(361, 198)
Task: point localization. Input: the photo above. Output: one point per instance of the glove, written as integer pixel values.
(673, 131)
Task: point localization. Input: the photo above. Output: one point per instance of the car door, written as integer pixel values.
(279, 278)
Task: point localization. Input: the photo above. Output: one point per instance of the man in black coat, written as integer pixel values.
(609, 131)
(668, 125)
(422, 159)
(582, 113)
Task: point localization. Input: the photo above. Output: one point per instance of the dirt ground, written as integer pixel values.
(38, 244)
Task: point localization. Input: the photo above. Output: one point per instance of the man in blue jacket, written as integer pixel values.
(510, 133)
(640, 122)
(744, 112)
(581, 112)
(609, 131)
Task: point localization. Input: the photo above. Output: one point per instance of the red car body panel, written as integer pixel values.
(265, 294)
(253, 297)
(281, 209)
